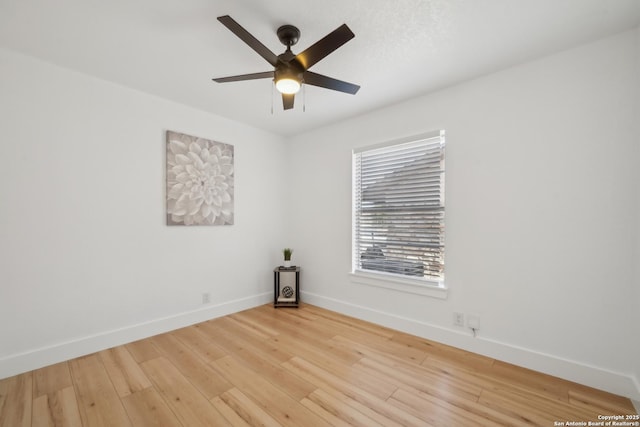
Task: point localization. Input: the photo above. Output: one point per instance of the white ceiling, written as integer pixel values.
(402, 48)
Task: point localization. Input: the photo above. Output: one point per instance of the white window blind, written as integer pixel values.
(398, 224)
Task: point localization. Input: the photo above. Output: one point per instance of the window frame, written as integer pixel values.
(403, 283)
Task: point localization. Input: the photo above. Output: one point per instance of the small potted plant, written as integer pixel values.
(287, 256)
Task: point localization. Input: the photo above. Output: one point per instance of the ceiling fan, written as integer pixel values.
(290, 70)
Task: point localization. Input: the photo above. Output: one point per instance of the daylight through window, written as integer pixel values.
(398, 224)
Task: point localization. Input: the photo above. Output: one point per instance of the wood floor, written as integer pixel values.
(293, 367)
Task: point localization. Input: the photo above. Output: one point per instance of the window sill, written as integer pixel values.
(432, 289)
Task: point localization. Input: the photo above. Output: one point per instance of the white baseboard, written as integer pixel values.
(636, 401)
(613, 382)
(27, 361)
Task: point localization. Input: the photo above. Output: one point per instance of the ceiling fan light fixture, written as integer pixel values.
(288, 85)
(288, 78)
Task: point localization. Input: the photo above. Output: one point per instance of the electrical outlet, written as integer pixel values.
(473, 322)
(458, 319)
(206, 298)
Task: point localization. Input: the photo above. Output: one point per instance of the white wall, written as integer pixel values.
(541, 191)
(86, 260)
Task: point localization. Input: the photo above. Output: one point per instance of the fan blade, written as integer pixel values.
(325, 46)
(287, 101)
(319, 80)
(246, 37)
(253, 76)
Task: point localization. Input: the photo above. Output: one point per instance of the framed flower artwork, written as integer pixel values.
(200, 179)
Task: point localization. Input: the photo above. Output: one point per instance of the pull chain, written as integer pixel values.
(273, 85)
(304, 98)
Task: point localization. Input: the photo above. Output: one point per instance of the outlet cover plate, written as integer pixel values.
(458, 319)
(473, 322)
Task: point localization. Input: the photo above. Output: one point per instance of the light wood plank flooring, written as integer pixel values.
(293, 367)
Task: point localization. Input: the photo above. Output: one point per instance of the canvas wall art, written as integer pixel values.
(200, 179)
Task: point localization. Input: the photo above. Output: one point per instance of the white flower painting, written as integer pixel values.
(199, 181)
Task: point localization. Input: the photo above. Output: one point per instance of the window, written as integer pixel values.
(398, 210)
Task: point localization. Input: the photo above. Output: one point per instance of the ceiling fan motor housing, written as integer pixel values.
(288, 67)
(286, 71)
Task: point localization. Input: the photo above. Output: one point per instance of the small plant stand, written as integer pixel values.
(286, 286)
